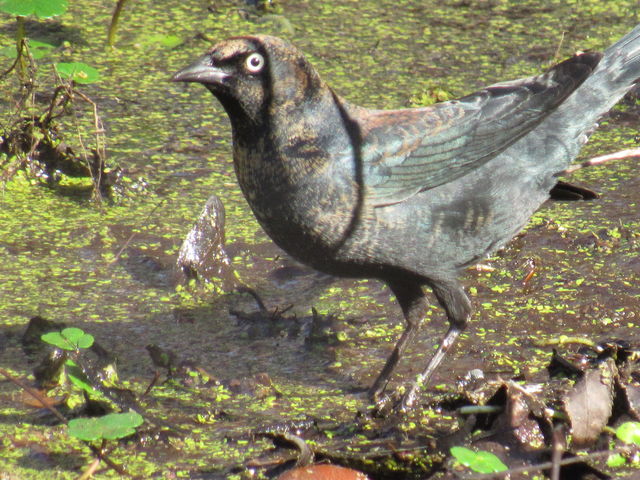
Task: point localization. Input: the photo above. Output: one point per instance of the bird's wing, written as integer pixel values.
(408, 151)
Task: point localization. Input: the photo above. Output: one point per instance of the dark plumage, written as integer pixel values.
(406, 196)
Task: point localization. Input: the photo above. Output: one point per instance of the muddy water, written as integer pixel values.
(110, 269)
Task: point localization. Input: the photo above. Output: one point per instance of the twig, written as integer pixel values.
(480, 409)
(629, 153)
(556, 54)
(254, 294)
(48, 117)
(88, 473)
(101, 454)
(100, 147)
(113, 26)
(35, 394)
(15, 62)
(152, 384)
(132, 236)
(557, 449)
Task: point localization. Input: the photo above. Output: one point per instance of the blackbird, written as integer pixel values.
(408, 196)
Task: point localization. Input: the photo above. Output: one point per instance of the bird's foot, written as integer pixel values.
(408, 399)
(401, 401)
(383, 406)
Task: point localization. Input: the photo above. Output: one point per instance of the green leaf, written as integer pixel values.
(78, 72)
(481, 462)
(41, 8)
(616, 460)
(109, 427)
(629, 432)
(8, 52)
(120, 425)
(57, 340)
(78, 378)
(86, 429)
(170, 41)
(78, 337)
(85, 341)
(72, 334)
(165, 40)
(39, 49)
(69, 339)
(463, 455)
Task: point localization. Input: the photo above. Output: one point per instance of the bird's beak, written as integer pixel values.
(201, 71)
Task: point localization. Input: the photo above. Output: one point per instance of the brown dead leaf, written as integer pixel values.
(590, 402)
(323, 472)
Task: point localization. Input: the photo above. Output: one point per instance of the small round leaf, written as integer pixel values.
(109, 427)
(629, 432)
(616, 460)
(39, 49)
(464, 455)
(78, 72)
(160, 40)
(41, 8)
(481, 462)
(69, 339)
(87, 429)
(120, 425)
(78, 337)
(57, 340)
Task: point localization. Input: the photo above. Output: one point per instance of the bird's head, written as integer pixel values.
(255, 76)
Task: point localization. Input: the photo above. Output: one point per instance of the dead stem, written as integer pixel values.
(629, 153)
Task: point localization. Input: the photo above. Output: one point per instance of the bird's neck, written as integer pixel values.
(298, 136)
(292, 171)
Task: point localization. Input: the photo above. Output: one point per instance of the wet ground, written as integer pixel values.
(110, 268)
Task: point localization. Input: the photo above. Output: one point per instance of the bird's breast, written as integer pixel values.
(305, 207)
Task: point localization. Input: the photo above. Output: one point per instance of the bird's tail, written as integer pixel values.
(615, 75)
(625, 56)
(574, 120)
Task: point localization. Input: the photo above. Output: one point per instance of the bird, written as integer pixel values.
(408, 196)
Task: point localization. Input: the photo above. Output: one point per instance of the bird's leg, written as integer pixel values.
(411, 299)
(410, 395)
(456, 303)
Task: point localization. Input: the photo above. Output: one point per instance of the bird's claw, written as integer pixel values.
(399, 402)
(382, 406)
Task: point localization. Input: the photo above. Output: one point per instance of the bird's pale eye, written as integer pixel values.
(254, 63)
